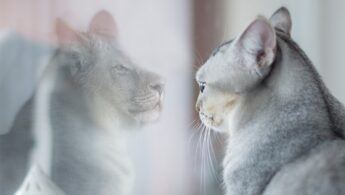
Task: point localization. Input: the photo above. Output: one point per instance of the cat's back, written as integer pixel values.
(322, 171)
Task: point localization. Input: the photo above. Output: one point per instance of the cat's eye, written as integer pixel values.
(202, 86)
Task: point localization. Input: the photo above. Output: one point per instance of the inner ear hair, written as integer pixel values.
(260, 56)
(259, 40)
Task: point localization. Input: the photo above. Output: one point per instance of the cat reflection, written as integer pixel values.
(90, 96)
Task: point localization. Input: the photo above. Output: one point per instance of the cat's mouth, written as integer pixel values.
(148, 115)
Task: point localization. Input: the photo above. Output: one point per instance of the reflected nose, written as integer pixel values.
(158, 86)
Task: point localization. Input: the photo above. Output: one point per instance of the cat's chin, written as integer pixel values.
(148, 116)
(215, 123)
(216, 128)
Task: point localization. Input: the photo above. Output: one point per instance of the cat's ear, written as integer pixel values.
(103, 24)
(65, 33)
(281, 19)
(258, 43)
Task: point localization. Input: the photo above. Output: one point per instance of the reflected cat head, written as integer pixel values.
(97, 65)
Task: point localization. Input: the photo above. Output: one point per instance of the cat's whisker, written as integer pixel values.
(192, 123)
(198, 146)
(200, 155)
(198, 143)
(213, 157)
(203, 167)
(195, 130)
(218, 138)
(195, 124)
(198, 59)
(195, 67)
(210, 159)
(192, 126)
(206, 154)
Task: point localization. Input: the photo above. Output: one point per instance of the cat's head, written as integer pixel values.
(238, 67)
(104, 72)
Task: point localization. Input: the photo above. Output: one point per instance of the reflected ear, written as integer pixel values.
(65, 33)
(258, 43)
(103, 24)
(281, 19)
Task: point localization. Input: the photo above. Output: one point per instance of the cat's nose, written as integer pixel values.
(197, 105)
(158, 86)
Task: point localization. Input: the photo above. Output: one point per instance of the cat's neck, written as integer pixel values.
(85, 129)
(83, 125)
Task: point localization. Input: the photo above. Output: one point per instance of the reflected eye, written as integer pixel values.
(202, 86)
(120, 68)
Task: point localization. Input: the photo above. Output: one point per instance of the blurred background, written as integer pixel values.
(172, 38)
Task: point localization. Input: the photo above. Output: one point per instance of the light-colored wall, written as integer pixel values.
(332, 44)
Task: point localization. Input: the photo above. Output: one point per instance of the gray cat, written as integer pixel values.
(90, 97)
(285, 129)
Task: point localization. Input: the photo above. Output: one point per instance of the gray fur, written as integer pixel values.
(285, 129)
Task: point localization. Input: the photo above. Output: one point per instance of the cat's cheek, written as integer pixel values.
(231, 120)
